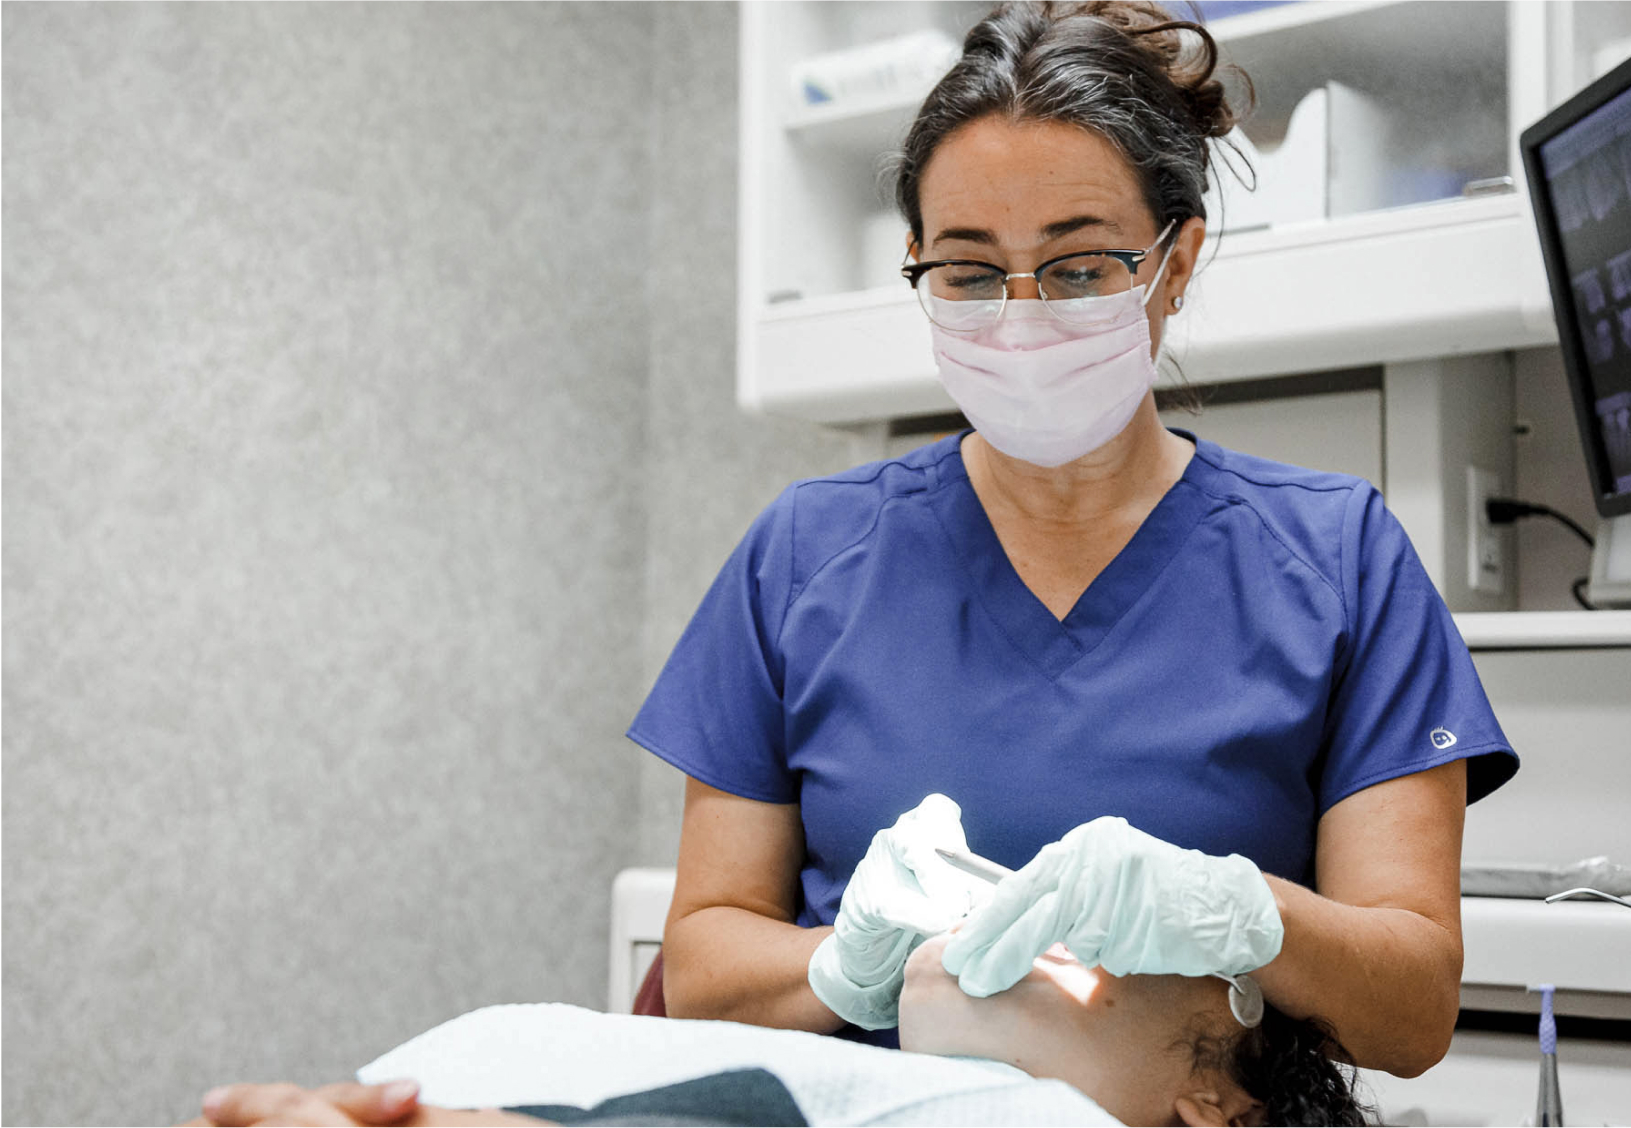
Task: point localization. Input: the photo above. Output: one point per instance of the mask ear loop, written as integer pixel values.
(1245, 999)
(1166, 257)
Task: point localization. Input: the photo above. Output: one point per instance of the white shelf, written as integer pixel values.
(860, 128)
(1573, 945)
(1288, 17)
(1543, 630)
(842, 358)
(1433, 280)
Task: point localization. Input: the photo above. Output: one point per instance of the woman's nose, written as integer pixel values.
(1022, 286)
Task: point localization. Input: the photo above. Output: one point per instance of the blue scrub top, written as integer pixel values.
(1266, 645)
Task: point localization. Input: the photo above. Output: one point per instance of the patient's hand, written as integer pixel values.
(345, 1103)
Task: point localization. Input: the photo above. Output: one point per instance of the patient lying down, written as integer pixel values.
(1150, 1049)
(1144, 1049)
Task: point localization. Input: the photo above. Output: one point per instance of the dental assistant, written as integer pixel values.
(1216, 698)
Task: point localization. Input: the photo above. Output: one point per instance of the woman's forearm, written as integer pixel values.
(1387, 979)
(724, 962)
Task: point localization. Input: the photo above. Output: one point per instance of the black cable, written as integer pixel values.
(1506, 510)
(1580, 595)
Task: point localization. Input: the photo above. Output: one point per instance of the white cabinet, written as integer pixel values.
(828, 331)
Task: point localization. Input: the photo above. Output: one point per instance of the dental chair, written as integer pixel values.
(648, 1000)
(640, 900)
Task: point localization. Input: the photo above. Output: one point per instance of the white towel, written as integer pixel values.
(551, 1053)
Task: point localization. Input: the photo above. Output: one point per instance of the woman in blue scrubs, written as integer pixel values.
(1071, 612)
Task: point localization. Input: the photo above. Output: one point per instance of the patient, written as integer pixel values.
(1151, 1049)
(1147, 1049)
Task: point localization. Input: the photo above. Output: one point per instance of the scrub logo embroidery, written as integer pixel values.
(1442, 738)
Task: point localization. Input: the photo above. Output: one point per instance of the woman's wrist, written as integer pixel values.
(731, 964)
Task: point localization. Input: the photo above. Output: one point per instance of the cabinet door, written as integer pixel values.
(1338, 431)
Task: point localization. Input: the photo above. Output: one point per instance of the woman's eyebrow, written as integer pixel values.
(1052, 231)
(966, 235)
(1075, 223)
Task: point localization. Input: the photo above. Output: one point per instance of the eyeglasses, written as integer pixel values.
(966, 294)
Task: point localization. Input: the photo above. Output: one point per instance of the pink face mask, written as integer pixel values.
(1048, 391)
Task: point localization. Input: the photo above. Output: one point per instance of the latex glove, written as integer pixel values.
(1122, 900)
(901, 894)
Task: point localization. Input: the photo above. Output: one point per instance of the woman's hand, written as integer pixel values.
(345, 1103)
(901, 893)
(1125, 901)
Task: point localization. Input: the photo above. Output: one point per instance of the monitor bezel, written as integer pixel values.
(1595, 95)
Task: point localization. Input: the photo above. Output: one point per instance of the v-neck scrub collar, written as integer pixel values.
(1055, 644)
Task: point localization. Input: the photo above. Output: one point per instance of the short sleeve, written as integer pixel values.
(1406, 696)
(715, 711)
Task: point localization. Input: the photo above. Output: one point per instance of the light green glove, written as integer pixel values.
(901, 894)
(1122, 900)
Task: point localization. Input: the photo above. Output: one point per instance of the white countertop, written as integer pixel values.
(1573, 945)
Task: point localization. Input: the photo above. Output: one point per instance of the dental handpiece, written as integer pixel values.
(1245, 996)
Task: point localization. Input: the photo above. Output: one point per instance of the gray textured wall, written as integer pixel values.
(710, 468)
(348, 510)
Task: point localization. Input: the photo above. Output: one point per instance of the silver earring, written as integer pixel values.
(1177, 303)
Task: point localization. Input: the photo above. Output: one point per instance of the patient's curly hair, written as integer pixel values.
(1294, 1066)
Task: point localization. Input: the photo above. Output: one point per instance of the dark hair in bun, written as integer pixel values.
(1124, 69)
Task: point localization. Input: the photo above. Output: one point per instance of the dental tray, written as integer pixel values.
(1507, 879)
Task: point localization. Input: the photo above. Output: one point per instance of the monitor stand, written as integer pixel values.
(1610, 584)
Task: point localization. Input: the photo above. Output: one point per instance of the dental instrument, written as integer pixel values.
(1245, 996)
(1569, 894)
(1549, 1101)
(974, 865)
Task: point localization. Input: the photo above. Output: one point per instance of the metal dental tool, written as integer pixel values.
(1245, 996)
(974, 865)
(1569, 894)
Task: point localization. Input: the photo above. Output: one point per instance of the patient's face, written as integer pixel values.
(1125, 1041)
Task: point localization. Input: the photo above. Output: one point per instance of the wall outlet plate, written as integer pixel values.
(1486, 548)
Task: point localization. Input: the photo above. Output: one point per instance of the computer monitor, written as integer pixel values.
(1578, 163)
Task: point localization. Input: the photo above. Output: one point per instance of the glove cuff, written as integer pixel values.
(870, 1008)
(1267, 929)
(1258, 930)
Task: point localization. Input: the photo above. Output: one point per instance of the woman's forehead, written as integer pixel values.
(1025, 183)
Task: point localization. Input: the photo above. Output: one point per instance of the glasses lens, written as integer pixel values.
(962, 297)
(1067, 281)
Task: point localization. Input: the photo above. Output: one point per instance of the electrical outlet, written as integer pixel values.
(1486, 549)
